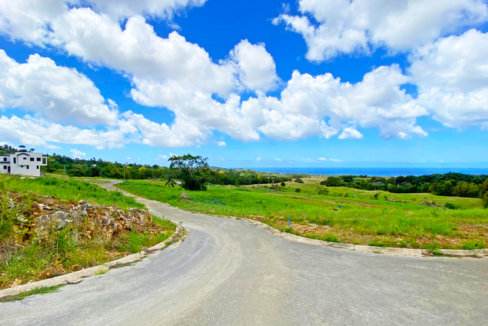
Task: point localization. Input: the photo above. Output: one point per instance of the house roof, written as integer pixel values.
(4, 162)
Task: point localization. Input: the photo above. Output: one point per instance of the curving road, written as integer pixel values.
(229, 272)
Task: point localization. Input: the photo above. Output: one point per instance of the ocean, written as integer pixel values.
(377, 172)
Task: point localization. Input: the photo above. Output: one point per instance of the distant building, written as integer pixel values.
(22, 163)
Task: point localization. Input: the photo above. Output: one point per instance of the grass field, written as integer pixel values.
(392, 220)
(25, 258)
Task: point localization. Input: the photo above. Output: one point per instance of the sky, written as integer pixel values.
(307, 83)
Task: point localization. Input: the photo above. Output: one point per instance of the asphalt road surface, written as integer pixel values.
(229, 272)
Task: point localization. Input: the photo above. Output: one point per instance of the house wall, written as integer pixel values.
(4, 164)
(27, 163)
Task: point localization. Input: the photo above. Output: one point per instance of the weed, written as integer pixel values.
(23, 295)
(474, 244)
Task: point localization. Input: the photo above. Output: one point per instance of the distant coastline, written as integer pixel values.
(377, 172)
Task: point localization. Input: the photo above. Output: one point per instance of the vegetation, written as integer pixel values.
(341, 214)
(27, 255)
(40, 291)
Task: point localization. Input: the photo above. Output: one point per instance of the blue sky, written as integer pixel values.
(312, 83)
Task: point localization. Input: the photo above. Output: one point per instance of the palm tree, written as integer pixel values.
(170, 182)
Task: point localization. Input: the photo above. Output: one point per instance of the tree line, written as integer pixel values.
(98, 168)
(449, 184)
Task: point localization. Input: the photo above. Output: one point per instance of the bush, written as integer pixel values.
(283, 184)
(299, 180)
(322, 191)
(298, 190)
(449, 206)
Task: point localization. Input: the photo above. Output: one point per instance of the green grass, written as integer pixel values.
(69, 190)
(362, 219)
(23, 295)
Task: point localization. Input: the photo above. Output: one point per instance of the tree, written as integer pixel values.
(283, 184)
(298, 190)
(193, 171)
(299, 180)
(170, 182)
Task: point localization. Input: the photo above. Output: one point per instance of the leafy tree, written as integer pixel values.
(484, 193)
(333, 182)
(298, 190)
(298, 180)
(194, 171)
(283, 184)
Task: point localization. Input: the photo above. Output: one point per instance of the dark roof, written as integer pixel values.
(4, 154)
(1, 162)
(23, 154)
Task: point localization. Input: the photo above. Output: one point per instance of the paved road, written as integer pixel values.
(229, 272)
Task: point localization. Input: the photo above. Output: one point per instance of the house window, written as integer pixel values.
(38, 167)
(5, 167)
(38, 159)
(5, 159)
(27, 167)
(25, 158)
(32, 159)
(15, 160)
(43, 161)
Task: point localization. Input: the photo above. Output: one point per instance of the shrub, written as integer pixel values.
(298, 190)
(449, 206)
(283, 184)
(322, 191)
(474, 244)
(299, 180)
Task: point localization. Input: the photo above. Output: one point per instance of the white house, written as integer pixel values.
(22, 163)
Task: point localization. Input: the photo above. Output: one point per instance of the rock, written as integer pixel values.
(62, 219)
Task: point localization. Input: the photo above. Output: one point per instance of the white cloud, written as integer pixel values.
(452, 77)
(222, 143)
(376, 101)
(346, 26)
(255, 66)
(278, 159)
(259, 159)
(59, 93)
(308, 160)
(38, 132)
(77, 154)
(323, 159)
(30, 20)
(335, 160)
(350, 133)
(129, 158)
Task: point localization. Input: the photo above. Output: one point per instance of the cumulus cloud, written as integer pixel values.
(345, 26)
(308, 160)
(222, 143)
(59, 93)
(323, 159)
(336, 160)
(255, 66)
(39, 132)
(31, 20)
(77, 154)
(278, 159)
(307, 101)
(452, 77)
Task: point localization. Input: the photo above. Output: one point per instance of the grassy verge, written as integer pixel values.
(358, 218)
(25, 256)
